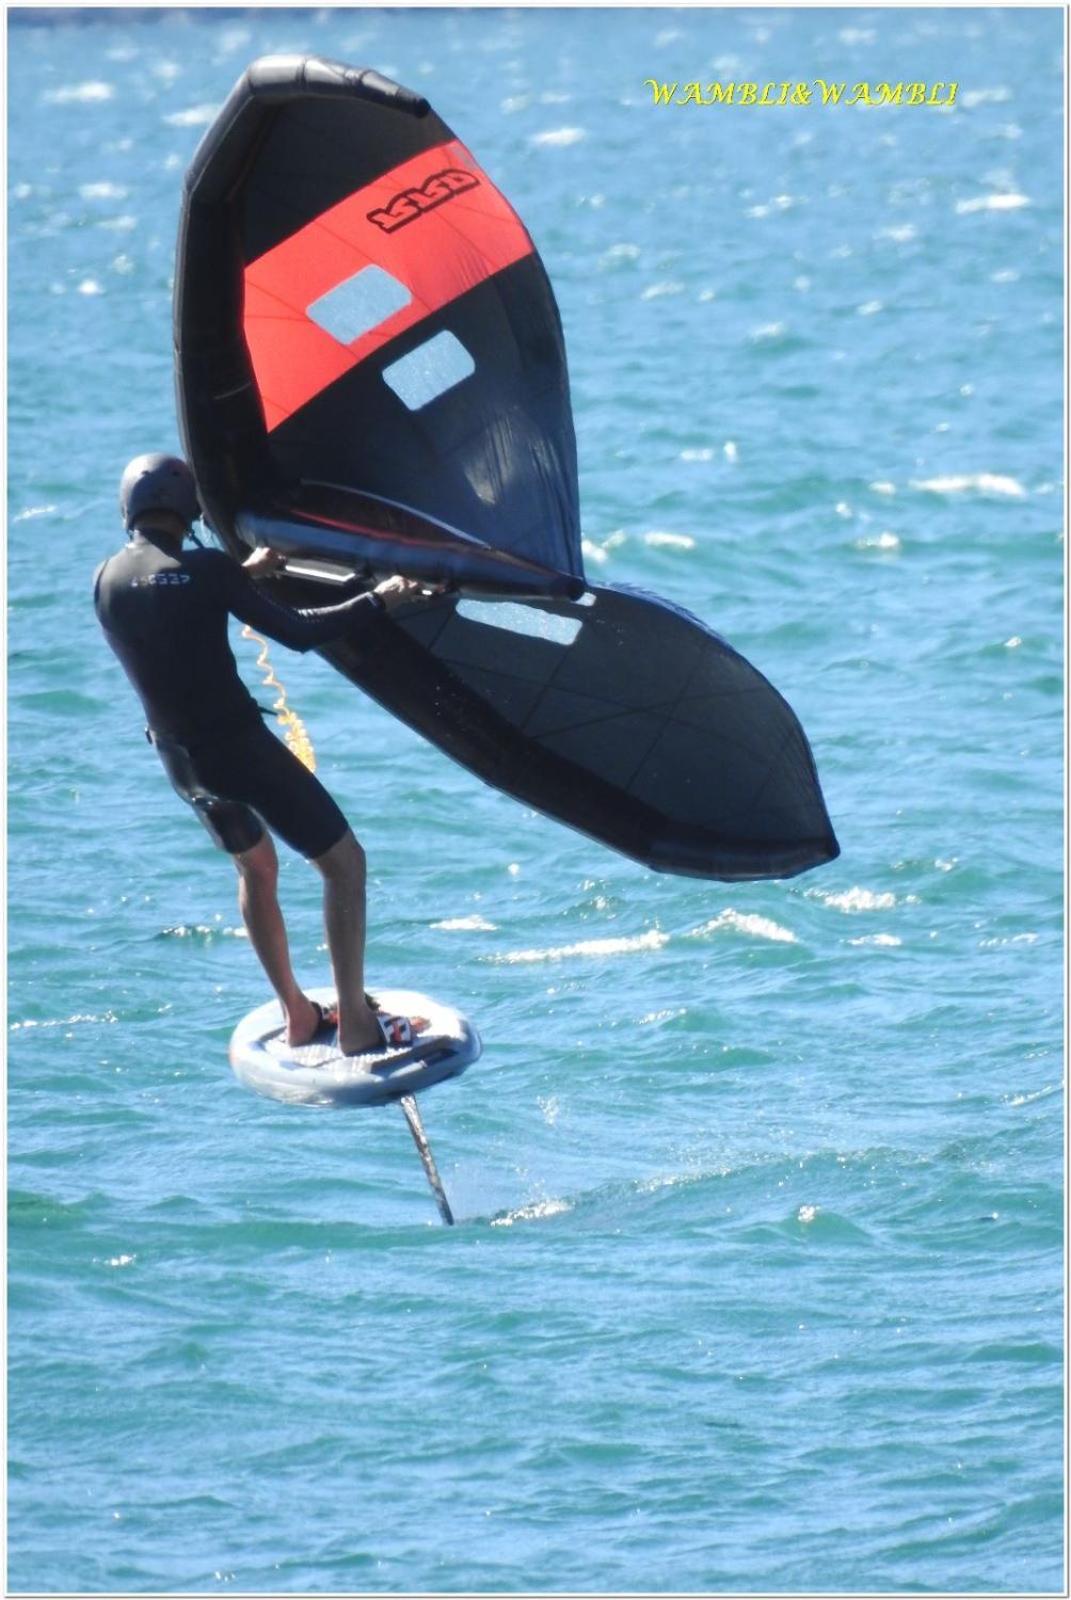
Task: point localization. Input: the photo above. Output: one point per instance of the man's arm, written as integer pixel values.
(305, 629)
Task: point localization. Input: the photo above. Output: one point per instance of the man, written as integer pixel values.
(164, 612)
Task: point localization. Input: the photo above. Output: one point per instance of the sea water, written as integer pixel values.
(756, 1283)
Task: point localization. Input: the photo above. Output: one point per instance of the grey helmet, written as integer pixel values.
(158, 483)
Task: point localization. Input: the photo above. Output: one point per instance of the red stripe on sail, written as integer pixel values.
(422, 222)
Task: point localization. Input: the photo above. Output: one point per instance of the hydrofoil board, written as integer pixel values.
(317, 1074)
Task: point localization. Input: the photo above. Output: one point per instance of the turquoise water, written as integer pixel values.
(757, 1278)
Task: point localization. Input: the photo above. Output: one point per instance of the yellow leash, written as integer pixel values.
(295, 732)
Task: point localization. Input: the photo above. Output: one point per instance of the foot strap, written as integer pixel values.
(397, 1031)
(326, 1019)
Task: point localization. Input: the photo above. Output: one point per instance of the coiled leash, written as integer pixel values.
(295, 733)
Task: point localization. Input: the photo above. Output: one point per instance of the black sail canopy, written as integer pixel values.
(371, 377)
(368, 344)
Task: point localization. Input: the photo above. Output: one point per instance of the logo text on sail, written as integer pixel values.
(413, 203)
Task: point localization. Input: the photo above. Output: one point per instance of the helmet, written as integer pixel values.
(158, 483)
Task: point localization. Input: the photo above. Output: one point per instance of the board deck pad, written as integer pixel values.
(317, 1074)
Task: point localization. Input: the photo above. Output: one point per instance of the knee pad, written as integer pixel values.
(234, 827)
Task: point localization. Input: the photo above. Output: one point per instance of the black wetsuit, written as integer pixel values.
(164, 613)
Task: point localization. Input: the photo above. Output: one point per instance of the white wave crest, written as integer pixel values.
(558, 138)
(535, 1212)
(621, 252)
(978, 482)
(660, 1016)
(79, 94)
(63, 1022)
(857, 899)
(658, 540)
(878, 541)
(991, 202)
(981, 97)
(626, 945)
(102, 191)
(473, 924)
(1038, 1094)
(192, 117)
(746, 922)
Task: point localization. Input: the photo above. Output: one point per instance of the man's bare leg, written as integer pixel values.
(343, 869)
(258, 898)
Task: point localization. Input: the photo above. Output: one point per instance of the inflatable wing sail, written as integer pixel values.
(370, 359)
(371, 377)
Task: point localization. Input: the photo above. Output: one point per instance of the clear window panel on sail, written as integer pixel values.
(358, 304)
(429, 371)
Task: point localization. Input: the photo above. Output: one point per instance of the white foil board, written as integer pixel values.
(316, 1074)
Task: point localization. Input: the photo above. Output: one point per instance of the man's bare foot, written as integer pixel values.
(365, 1039)
(303, 1023)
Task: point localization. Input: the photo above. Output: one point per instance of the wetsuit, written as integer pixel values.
(164, 613)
